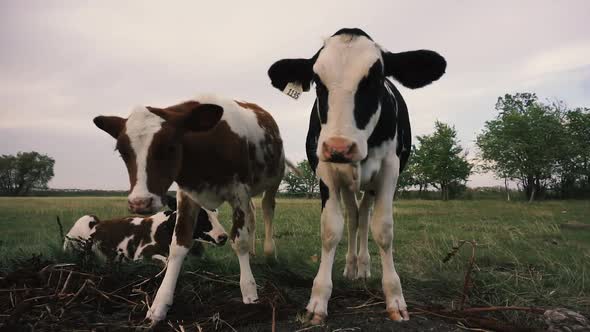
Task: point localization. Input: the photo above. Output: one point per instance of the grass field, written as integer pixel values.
(523, 257)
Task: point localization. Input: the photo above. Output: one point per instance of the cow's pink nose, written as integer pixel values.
(221, 239)
(339, 150)
(140, 205)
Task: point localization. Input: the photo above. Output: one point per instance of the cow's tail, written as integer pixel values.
(293, 168)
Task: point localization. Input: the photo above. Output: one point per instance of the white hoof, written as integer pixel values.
(350, 269)
(156, 314)
(364, 267)
(317, 311)
(398, 311)
(249, 293)
(270, 249)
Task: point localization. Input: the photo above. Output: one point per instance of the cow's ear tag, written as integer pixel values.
(293, 90)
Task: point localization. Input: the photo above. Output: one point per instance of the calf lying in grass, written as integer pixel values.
(135, 238)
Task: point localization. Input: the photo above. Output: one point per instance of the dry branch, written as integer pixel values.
(467, 279)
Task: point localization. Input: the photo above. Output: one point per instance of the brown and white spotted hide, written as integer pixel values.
(135, 238)
(217, 150)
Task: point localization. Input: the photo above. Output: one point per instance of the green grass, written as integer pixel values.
(523, 256)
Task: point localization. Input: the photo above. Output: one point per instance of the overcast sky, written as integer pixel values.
(63, 64)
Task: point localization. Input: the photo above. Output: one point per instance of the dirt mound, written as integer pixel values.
(47, 296)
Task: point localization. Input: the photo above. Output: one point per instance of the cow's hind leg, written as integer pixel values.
(350, 269)
(332, 225)
(382, 230)
(182, 240)
(252, 227)
(240, 241)
(364, 259)
(268, 212)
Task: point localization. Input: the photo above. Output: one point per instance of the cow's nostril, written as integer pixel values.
(221, 239)
(351, 150)
(140, 205)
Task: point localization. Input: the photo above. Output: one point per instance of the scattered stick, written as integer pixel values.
(61, 229)
(77, 293)
(122, 299)
(489, 309)
(58, 281)
(145, 294)
(223, 281)
(67, 282)
(274, 322)
(309, 328)
(463, 327)
(19, 289)
(366, 304)
(467, 279)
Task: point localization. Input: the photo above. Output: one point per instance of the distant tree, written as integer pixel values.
(572, 175)
(523, 142)
(407, 178)
(310, 180)
(442, 161)
(418, 168)
(306, 183)
(413, 173)
(24, 172)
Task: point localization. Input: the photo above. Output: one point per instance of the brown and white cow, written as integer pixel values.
(136, 238)
(217, 150)
(359, 139)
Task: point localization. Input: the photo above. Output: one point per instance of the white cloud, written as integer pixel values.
(557, 60)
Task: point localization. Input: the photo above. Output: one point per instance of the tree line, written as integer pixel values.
(24, 172)
(542, 146)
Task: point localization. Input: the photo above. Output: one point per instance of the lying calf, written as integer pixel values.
(136, 238)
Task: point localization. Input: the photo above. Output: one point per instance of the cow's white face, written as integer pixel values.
(80, 233)
(348, 75)
(150, 143)
(141, 128)
(209, 229)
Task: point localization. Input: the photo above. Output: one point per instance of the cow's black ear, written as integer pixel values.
(414, 69)
(298, 71)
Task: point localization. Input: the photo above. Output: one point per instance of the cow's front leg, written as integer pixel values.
(241, 243)
(332, 225)
(349, 198)
(182, 240)
(382, 230)
(364, 259)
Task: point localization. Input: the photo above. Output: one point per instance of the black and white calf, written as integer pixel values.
(359, 139)
(135, 238)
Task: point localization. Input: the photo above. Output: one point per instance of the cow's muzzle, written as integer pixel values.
(339, 150)
(141, 205)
